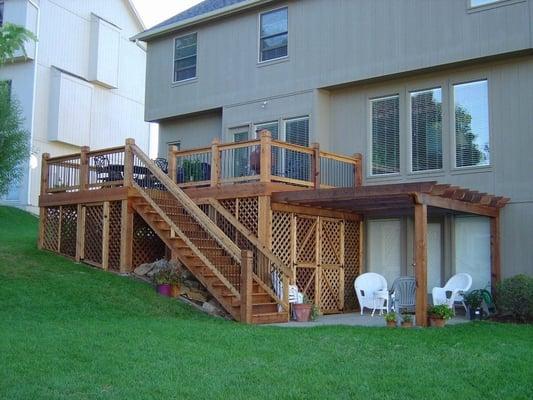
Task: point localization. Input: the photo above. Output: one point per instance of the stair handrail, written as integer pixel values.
(250, 236)
(191, 207)
(263, 250)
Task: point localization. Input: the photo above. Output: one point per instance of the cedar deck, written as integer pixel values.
(247, 219)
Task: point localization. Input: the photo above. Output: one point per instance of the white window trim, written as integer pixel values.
(370, 139)
(453, 152)
(494, 4)
(410, 132)
(174, 82)
(272, 60)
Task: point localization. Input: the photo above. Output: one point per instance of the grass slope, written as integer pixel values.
(68, 331)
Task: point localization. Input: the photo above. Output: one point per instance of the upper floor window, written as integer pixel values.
(471, 112)
(1, 12)
(385, 119)
(185, 51)
(426, 130)
(274, 35)
(272, 127)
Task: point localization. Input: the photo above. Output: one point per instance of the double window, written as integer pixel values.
(185, 57)
(470, 129)
(274, 35)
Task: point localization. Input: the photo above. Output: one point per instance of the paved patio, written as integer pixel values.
(355, 319)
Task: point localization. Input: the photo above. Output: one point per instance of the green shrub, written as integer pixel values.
(441, 311)
(514, 298)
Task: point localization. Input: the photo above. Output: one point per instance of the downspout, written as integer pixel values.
(32, 124)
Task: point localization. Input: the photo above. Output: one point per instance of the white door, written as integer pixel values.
(384, 248)
(434, 255)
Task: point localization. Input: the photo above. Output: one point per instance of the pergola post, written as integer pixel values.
(495, 266)
(420, 261)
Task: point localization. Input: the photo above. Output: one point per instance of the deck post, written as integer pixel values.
(172, 166)
(420, 258)
(315, 171)
(495, 262)
(43, 189)
(105, 237)
(246, 286)
(126, 238)
(128, 162)
(358, 169)
(84, 168)
(266, 156)
(215, 162)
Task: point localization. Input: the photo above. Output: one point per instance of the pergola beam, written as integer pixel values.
(456, 205)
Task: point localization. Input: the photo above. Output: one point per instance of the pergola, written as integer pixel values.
(410, 199)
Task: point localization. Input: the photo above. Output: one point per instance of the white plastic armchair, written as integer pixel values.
(294, 296)
(370, 289)
(457, 285)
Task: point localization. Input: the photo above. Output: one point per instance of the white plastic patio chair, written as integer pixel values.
(457, 285)
(371, 291)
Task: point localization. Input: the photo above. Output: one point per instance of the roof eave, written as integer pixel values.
(222, 12)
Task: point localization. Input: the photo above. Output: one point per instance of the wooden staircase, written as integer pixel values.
(205, 250)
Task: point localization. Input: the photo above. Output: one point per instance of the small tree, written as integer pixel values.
(13, 140)
(12, 39)
(14, 147)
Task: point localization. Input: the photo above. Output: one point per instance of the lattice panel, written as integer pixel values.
(51, 228)
(329, 289)
(69, 223)
(230, 205)
(281, 236)
(115, 213)
(305, 280)
(147, 247)
(93, 233)
(330, 240)
(305, 239)
(249, 213)
(352, 266)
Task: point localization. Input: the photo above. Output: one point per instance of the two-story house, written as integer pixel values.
(425, 90)
(81, 83)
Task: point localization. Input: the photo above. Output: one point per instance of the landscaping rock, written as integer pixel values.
(143, 269)
(156, 267)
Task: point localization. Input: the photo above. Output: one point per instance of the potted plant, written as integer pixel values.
(162, 282)
(474, 301)
(439, 314)
(175, 282)
(302, 311)
(390, 317)
(407, 320)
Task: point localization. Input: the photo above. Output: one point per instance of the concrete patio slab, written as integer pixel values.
(354, 319)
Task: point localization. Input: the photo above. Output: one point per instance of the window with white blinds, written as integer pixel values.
(471, 108)
(296, 165)
(272, 127)
(385, 135)
(241, 157)
(426, 130)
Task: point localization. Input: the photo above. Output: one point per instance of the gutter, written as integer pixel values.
(216, 14)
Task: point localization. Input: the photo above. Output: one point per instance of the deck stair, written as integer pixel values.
(210, 255)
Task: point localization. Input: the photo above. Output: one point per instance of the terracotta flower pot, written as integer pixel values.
(302, 312)
(391, 324)
(437, 322)
(407, 324)
(163, 290)
(175, 290)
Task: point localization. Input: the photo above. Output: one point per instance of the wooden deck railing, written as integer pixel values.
(263, 160)
(260, 160)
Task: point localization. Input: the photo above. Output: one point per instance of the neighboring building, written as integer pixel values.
(81, 84)
(425, 90)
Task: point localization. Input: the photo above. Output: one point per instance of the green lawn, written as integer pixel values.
(68, 331)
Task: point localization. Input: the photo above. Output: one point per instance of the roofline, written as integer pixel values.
(136, 14)
(221, 12)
